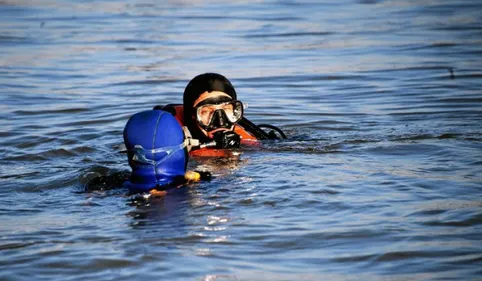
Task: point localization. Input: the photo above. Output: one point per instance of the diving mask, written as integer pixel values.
(221, 115)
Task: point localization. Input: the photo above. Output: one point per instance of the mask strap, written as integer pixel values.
(206, 95)
(140, 153)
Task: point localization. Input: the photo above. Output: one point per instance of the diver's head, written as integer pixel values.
(210, 105)
(156, 150)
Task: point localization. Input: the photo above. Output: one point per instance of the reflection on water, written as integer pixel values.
(379, 177)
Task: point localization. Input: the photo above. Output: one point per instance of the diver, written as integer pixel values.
(214, 116)
(157, 151)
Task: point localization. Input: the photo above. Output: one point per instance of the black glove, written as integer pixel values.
(227, 139)
(204, 175)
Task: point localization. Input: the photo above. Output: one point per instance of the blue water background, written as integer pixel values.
(379, 179)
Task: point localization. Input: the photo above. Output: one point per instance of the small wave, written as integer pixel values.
(83, 150)
(24, 142)
(425, 137)
(289, 79)
(435, 112)
(146, 82)
(474, 100)
(9, 38)
(458, 28)
(471, 221)
(403, 255)
(16, 245)
(407, 150)
(49, 154)
(19, 175)
(310, 147)
(123, 41)
(91, 122)
(56, 111)
(25, 157)
(430, 46)
(469, 76)
(291, 34)
(5, 85)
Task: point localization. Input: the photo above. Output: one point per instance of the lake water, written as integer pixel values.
(379, 179)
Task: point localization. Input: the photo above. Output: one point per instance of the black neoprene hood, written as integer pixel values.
(204, 82)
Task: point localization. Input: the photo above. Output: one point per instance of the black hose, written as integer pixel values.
(281, 133)
(252, 128)
(258, 132)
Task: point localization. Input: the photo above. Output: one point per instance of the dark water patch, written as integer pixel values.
(56, 153)
(282, 80)
(469, 76)
(466, 259)
(476, 163)
(25, 157)
(425, 137)
(14, 246)
(30, 128)
(23, 86)
(58, 111)
(12, 39)
(457, 28)
(354, 258)
(449, 136)
(95, 121)
(369, 1)
(19, 176)
(311, 147)
(407, 150)
(436, 211)
(131, 41)
(268, 17)
(293, 34)
(465, 221)
(83, 150)
(428, 106)
(415, 70)
(426, 114)
(51, 75)
(48, 177)
(404, 255)
(430, 46)
(464, 99)
(334, 126)
(15, 211)
(160, 80)
(73, 19)
(28, 98)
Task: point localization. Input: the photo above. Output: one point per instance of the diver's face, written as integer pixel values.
(216, 111)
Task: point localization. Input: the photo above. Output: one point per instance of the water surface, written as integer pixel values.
(379, 179)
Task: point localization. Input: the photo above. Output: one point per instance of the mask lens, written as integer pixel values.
(237, 113)
(232, 109)
(205, 113)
